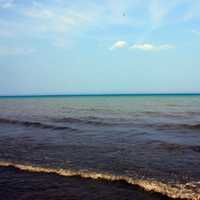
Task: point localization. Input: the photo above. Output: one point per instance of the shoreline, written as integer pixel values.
(20, 184)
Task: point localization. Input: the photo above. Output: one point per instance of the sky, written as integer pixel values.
(99, 46)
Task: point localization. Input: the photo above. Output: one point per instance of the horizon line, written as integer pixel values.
(101, 94)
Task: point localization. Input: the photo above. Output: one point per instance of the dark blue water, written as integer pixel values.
(149, 141)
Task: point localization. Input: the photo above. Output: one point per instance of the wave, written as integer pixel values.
(174, 126)
(179, 126)
(191, 126)
(98, 122)
(176, 147)
(91, 121)
(183, 114)
(188, 191)
(35, 124)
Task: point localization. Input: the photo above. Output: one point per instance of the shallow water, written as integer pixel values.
(149, 141)
(24, 185)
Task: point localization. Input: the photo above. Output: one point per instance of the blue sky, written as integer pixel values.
(93, 46)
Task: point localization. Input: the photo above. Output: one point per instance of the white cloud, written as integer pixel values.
(6, 3)
(4, 51)
(151, 47)
(142, 46)
(119, 45)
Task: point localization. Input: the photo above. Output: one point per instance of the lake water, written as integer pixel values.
(152, 141)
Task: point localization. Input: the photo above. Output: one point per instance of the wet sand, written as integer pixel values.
(22, 185)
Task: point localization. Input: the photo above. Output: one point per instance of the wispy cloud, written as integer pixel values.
(12, 51)
(40, 14)
(196, 32)
(60, 20)
(54, 22)
(119, 45)
(160, 10)
(5, 33)
(192, 12)
(6, 3)
(152, 47)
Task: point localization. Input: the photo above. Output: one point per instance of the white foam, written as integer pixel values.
(183, 191)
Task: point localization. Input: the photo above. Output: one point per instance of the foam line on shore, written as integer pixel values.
(188, 191)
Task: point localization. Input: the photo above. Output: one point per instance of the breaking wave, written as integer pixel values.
(35, 124)
(189, 190)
